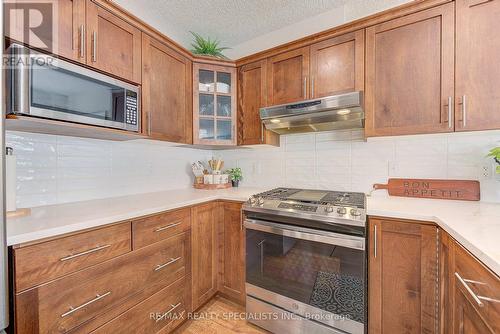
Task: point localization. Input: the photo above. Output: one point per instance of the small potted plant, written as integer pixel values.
(495, 153)
(207, 47)
(235, 175)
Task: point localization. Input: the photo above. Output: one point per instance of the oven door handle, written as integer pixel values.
(291, 231)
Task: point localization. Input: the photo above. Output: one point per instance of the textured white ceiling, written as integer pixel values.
(231, 21)
(249, 26)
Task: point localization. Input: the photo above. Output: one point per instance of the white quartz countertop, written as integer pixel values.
(476, 225)
(52, 220)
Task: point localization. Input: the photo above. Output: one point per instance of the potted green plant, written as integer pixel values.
(235, 175)
(495, 153)
(207, 47)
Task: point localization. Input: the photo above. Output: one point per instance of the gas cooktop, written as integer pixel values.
(321, 205)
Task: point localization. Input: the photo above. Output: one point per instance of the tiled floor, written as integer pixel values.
(218, 316)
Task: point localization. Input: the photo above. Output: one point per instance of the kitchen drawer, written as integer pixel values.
(105, 288)
(158, 227)
(480, 286)
(46, 261)
(164, 310)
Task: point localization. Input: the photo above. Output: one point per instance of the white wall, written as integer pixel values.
(333, 161)
(58, 169)
(352, 10)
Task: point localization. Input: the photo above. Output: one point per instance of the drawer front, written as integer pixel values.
(480, 285)
(165, 310)
(49, 260)
(159, 227)
(76, 299)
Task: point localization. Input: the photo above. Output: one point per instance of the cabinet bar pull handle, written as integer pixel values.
(469, 290)
(173, 307)
(149, 123)
(163, 228)
(93, 250)
(74, 309)
(450, 112)
(488, 299)
(312, 87)
(172, 260)
(94, 46)
(305, 87)
(375, 241)
(82, 41)
(262, 133)
(464, 111)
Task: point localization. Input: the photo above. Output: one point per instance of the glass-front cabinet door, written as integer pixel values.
(214, 104)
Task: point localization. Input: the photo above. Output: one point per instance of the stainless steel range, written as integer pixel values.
(306, 261)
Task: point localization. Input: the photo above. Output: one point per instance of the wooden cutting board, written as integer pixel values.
(430, 188)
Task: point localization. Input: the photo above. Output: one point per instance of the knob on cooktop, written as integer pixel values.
(341, 210)
(328, 208)
(260, 200)
(355, 212)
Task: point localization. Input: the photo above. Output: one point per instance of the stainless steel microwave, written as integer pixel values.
(43, 86)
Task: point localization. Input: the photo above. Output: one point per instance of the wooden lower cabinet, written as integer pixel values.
(156, 270)
(231, 237)
(43, 262)
(204, 252)
(402, 277)
(85, 300)
(467, 318)
(161, 312)
(472, 305)
(154, 228)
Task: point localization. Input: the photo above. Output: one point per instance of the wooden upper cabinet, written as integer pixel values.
(70, 42)
(166, 93)
(410, 74)
(477, 70)
(71, 29)
(204, 252)
(231, 251)
(337, 65)
(113, 45)
(402, 277)
(252, 96)
(214, 104)
(287, 77)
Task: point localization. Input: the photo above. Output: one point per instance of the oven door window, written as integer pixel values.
(70, 96)
(325, 276)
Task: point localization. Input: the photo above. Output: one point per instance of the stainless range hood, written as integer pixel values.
(337, 112)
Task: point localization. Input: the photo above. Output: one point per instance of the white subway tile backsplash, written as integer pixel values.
(339, 160)
(55, 169)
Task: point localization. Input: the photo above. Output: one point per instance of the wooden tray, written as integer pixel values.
(465, 190)
(212, 186)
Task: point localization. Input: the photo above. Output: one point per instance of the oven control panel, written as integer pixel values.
(300, 207)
